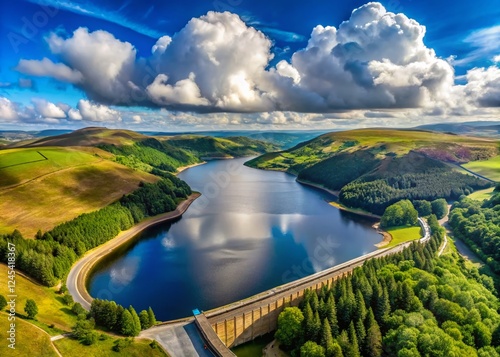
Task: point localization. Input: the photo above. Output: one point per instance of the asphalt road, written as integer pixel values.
(78, 273)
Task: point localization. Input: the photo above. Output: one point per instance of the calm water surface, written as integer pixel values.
(250, 231)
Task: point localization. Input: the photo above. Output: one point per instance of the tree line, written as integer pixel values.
(406, 304)
(49, 257)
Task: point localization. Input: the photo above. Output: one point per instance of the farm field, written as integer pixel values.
(66, 184)
(487, 168)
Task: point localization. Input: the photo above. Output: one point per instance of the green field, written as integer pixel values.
(41, 194)
(403, 234)
(487, 168)
(139, 348)
(22, 165)
(482, 195)
(30, 341)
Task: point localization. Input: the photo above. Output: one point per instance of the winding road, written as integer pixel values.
(77, 276)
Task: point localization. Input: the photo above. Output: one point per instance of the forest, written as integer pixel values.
(50, 256)
(375, 196)
(407, 304)
(148, 153)
(478, 224)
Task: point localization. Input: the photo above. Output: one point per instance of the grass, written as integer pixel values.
(21, 165)
(70, 183)
(482, 195)
(487, 168)
(51, 309)
(139, 348)
(403, 234)
(30, 341)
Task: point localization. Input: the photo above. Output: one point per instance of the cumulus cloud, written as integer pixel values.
(97, 112)
(8, 111)
(47, 109)
(185, 91)
(483, 86)
(74, 114)
(217, 63)
(105, 63)
(136, 119)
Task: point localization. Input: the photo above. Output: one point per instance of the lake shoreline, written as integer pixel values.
(76, 281)
(386, 236)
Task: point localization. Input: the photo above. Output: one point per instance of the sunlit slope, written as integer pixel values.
(42, 187)
(372, 168)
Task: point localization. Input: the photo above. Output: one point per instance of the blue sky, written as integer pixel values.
(284, 88)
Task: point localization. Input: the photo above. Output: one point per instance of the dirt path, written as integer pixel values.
(76, 281)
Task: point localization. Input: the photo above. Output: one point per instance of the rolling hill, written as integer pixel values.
(373, 168)
(207, 147)
(50, 180)
(42, 187)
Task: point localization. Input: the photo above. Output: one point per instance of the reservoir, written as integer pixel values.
(251, 230)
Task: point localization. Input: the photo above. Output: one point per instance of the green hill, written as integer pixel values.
(64, 181)
(207, 147)
(373, 168)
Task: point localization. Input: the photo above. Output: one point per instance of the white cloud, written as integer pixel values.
(136, 119)
(8, 111)
(97, 112)
(184, 91)
(217, 63)
(47, 68)
(496, 59)
(106, 64)
(74, 114)
(47, 109)
(483, 86)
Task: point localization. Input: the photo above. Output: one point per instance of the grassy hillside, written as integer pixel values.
(43, 187)
(30, 341)
(207, 147)
(146, 153)
(373, 168)
(51, 309)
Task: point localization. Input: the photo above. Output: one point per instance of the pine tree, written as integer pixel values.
(136, 320)
(383, 306)
(152, 317)
(360, 310)
(327, 338)
(331, 315)
(316, 327)
(360, 333)
(308, 322)
(314, 301)
(119, 321)
(127, 324)
(354, 341)
(406, 297)
(144, 318)
(373, 341)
